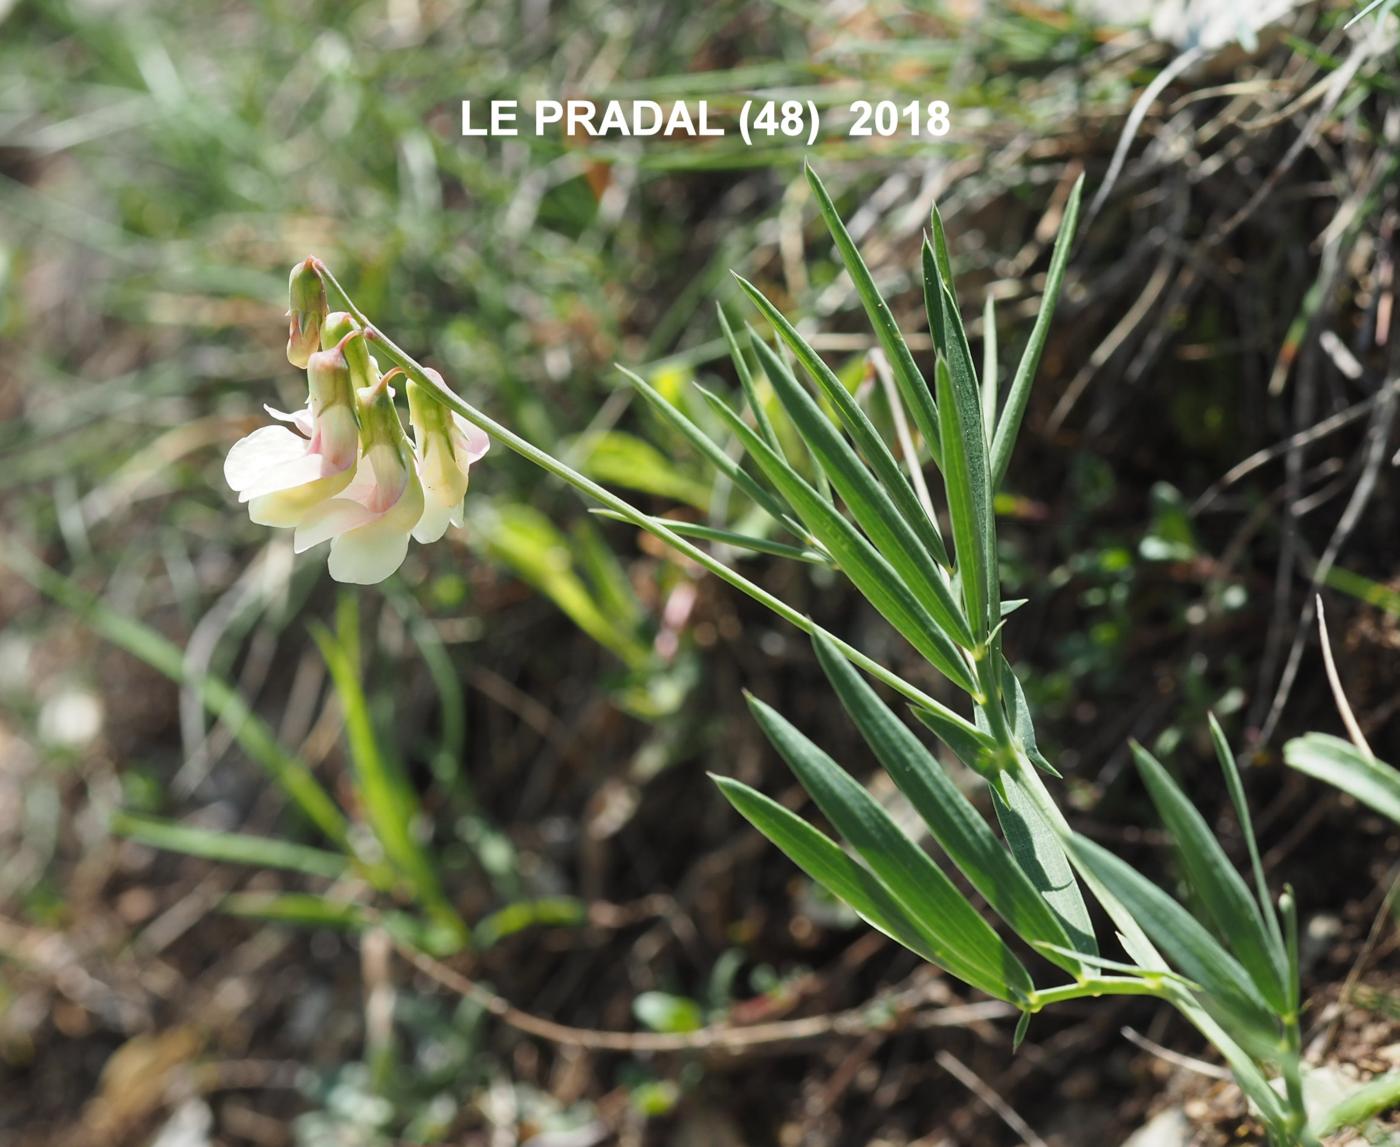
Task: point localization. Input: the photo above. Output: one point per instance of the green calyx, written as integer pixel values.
(342, 332)
(427, 415)
(379, 419)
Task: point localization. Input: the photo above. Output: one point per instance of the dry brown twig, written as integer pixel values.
(730, 1038)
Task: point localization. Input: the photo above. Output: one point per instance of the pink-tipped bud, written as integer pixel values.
(333, 408)
(328, 375)
(307, 312)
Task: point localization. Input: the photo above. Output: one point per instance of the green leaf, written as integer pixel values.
(612, 588)
(707, 446)
(1364, 589)
(229, 847)
(824, 861)
(973, 950)
(1369, 1100)
(863, 434)
(1188, 944)
(305, 910)
(389, 799)
(955, 824)
(625, 460)
(1023, 723)
(663, 1012)
(1037, 850)
(1342, 764)
(1236, 788)
(776, 366)
(867, 569)
(1246, 1071)
(944, 261)
(300, 908)
(1014, 409)
(969, 498)
(990, 368)
(913, 387)
(748, 382)
(546, 911)
(965, 474)
(1223, 894)
(872, 507)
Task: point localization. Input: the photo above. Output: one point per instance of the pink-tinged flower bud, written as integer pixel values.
(307, 312)
(446, 445)
(333, 407)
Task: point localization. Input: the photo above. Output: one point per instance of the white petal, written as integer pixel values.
(473, 438)
(362, 487)
(282, 509)
(369, 554)
(443, 476)
(286, 508)
(250, 458)
(301, 419)
(329, 520)
(433, 524)
(285, 475)
(409, 508)
(392, 475)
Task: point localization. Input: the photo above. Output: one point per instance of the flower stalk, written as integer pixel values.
(440, 392)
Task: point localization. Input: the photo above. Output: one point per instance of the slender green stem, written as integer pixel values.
(620, 506)
(1091, 988)
(1293, 1036)
(1293, 1084)
(984, 664)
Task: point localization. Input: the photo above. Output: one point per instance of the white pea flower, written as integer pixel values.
(369, 524)
(282, 473)
(446, 445)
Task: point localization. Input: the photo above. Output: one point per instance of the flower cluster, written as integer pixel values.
(342, 469)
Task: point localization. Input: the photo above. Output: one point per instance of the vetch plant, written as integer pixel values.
(1229, 964)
